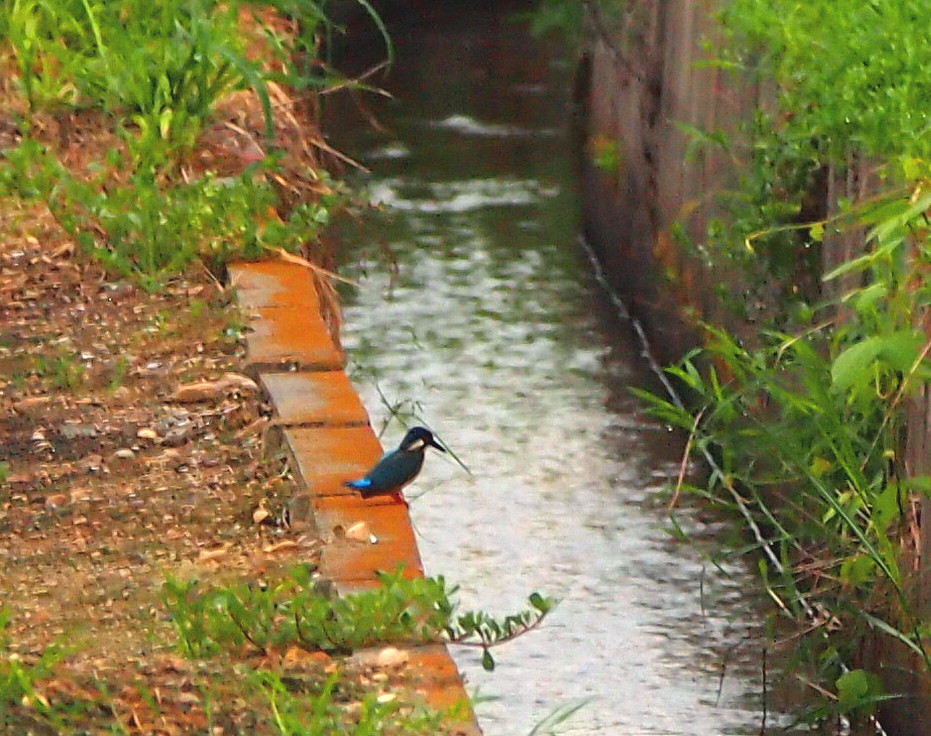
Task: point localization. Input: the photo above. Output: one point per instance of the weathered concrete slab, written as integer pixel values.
(273, 283)
(380, 538)
(311, 398)
(326, 457)
(386, 517)
(281, 336)
(428, 671)
(434, 675)
(284, 318)
(355, 562)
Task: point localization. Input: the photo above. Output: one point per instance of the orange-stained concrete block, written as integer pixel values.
(287, 328)
(326, 457)
(387, 519)
(318, 397)
(290, 336)
(429, 672)
(273, 284)
(360, 559)
(433, 675)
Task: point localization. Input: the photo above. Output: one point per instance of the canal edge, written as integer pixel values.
(324, 429)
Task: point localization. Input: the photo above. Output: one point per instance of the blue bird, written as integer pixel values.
(398, 467)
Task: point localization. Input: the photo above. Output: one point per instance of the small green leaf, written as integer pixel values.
(901, 349)
(910, 209)
(920, 483)
(911, 168)
(885, 507)
(864, 299)
(857, 570)
(860, 263)
(488, 662)
(850, 365)
(852, 687)
(859, 690)
(541, 603)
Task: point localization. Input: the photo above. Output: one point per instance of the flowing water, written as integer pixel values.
(477, 309)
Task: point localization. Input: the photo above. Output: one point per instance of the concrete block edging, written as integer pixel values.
(326, 432)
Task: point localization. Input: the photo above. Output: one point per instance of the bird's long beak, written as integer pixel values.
(437, 445)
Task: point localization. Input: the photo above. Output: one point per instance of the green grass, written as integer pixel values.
(150, 231)
(63, 371)
(237, 637)
(293, 612)
(160, 67)
(156, 71)
(20, 678)
(801, 404)
(316, 711)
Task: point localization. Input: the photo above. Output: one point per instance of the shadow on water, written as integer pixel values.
(478, 310)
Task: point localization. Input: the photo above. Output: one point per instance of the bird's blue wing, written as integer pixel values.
(394, 470)
(373, 480)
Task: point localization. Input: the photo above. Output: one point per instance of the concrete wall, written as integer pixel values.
(639, 80)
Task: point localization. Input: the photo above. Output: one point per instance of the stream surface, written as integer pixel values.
(478, 311)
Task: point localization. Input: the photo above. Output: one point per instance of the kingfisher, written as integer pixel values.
(398, 467)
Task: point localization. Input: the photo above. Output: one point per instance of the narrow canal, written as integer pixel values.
(477, 310)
